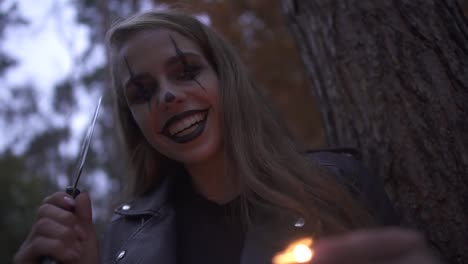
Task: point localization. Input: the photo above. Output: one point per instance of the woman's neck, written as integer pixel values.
(210, 180)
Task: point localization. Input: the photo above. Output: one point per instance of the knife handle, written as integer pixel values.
(74, 192)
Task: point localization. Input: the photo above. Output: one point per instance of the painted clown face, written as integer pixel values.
(173, 94)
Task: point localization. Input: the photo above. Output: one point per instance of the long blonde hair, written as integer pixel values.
(259, 151)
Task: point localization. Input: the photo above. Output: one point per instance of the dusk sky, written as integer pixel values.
(46, 50)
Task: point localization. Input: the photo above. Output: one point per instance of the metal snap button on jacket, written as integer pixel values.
(300, 222)
(120, 255)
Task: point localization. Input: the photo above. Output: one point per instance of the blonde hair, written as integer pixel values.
(259, 151)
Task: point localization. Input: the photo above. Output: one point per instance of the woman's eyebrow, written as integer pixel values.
(173, 60)
(181, 57)
(139, 76)
(134, 76)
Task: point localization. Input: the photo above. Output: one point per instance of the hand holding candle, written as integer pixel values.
(389, 246)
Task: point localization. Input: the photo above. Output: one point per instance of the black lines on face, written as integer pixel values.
(139, 89)
(199, 84)
(187, 67)
(132, 75)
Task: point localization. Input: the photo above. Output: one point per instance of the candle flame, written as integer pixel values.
(302, 253)
(298, 252)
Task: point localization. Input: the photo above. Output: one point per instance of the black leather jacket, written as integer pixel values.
(143, 231)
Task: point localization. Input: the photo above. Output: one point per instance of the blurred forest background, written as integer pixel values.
(43, 162)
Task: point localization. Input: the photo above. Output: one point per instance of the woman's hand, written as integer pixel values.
(63, 231)
(389, 246)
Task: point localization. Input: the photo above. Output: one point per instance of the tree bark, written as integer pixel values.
(391, 79)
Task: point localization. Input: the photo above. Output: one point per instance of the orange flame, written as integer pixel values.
(298, 252)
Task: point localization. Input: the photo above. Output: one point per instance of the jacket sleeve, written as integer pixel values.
(367, 188)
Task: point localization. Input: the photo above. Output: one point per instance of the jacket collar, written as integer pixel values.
(270, 233)
(149, 203)
(152, 201)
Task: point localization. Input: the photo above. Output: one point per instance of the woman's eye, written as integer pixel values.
(138, 93)
(188, 73)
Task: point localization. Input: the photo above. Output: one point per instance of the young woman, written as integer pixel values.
(215, 176)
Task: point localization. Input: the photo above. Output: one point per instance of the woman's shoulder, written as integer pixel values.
(147, 213)
(346, 165)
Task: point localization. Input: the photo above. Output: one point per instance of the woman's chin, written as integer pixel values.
(201, 153)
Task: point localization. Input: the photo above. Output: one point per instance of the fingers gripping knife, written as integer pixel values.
(73, 190)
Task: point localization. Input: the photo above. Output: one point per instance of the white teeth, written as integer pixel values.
(187, 131)
(185, 123)
(192, 119)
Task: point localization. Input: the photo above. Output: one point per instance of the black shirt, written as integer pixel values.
(206, 231)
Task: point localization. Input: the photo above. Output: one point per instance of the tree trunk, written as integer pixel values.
(391, 79)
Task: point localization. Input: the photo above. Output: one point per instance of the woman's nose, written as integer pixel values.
(169, 97)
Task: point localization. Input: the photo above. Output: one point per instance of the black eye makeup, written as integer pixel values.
(139, 89)
(190, 71)
(183, 67)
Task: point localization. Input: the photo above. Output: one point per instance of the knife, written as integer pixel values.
(73, 189)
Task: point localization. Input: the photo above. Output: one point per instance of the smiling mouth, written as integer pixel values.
(186, 126)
